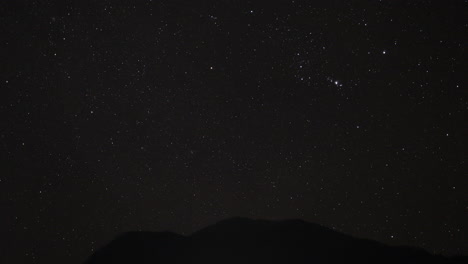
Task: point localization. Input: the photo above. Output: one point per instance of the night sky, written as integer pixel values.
(171, 115)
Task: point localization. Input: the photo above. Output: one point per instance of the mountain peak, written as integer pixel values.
(243, 240)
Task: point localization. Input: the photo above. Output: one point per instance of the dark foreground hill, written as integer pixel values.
(242, 240)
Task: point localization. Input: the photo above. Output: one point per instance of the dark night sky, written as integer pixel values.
(171, 115)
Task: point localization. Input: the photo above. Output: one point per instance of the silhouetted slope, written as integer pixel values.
(241, 240)
(139, 247)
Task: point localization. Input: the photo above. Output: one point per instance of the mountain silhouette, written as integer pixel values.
(241, 240)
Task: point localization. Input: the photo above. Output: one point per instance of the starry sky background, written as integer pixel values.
(172, 115)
